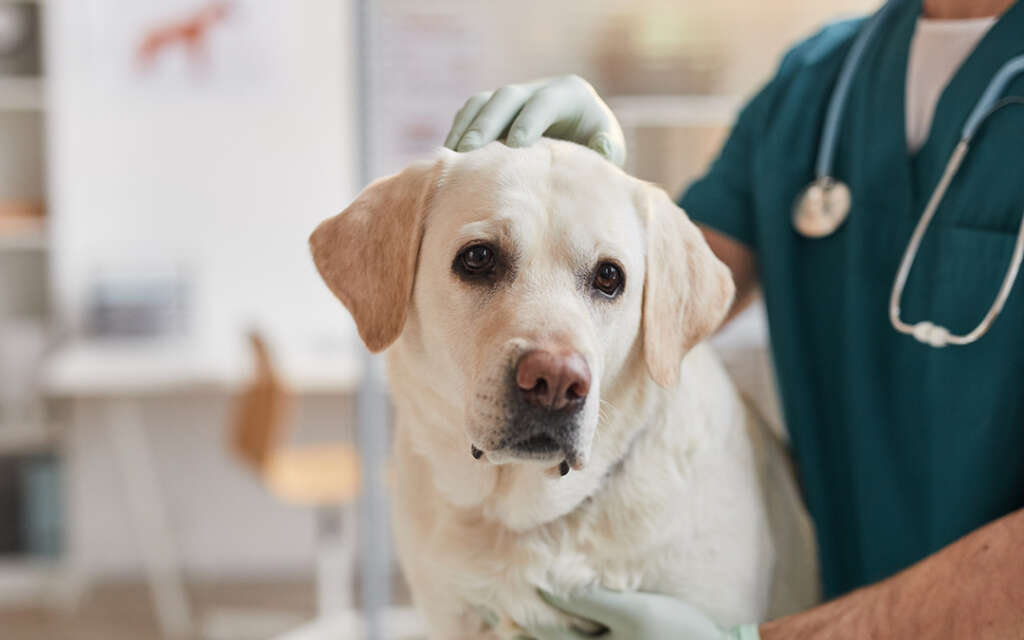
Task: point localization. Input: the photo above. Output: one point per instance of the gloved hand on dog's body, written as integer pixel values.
(637, 616)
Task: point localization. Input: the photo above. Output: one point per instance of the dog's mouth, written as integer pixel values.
(537, 447)
(544, 445)
(540, 444)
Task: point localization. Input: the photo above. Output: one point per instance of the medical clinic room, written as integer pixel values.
(534, 320)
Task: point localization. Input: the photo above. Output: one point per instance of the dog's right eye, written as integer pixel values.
(477, 260)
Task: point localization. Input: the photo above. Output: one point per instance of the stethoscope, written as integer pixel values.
(825, 204)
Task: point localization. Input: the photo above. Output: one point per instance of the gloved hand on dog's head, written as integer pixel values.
(566, 107)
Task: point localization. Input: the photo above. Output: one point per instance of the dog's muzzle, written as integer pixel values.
(547, 392)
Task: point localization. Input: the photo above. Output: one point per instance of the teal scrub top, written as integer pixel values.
(901, 447)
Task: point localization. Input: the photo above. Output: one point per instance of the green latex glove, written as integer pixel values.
(639, 616)
(566, 107)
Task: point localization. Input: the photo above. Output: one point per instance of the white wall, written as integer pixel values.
(225, 182)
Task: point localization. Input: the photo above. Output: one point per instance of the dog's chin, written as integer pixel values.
(504, 457)
(540, 451)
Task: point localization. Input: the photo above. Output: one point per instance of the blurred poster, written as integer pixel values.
(423, 66)
(176, 45)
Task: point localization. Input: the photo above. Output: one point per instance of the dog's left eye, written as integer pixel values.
(608, 279)
(477, 260)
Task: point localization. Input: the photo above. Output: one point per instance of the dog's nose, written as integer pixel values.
(551, 380)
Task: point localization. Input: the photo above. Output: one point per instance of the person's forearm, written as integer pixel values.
(973, 589)
(742, 262)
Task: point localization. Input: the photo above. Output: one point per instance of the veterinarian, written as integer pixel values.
(904, 400)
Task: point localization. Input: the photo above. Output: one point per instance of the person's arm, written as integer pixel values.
(972, 590)
(742, 261)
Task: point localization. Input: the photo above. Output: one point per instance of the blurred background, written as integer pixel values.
(180, 397)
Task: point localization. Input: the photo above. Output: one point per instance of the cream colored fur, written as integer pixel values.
(671, 492)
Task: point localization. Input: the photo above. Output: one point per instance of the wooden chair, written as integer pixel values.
(325, 477)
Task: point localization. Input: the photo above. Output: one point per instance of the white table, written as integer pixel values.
(120, 374)
(104, 368)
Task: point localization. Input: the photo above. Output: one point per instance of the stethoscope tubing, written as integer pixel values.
(837, 101)
(988, 103)
(929, 332)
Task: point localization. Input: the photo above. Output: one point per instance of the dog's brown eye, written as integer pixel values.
(478, 259)
(608, 279)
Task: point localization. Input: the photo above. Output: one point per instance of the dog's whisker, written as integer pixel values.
(606, 411)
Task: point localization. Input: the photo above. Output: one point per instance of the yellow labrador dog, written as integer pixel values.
(559, 424)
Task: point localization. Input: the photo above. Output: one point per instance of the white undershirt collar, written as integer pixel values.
(937, 50)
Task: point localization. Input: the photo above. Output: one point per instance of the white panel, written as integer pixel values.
(223, 176)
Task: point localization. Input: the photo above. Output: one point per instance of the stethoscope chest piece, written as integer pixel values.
(822, 208)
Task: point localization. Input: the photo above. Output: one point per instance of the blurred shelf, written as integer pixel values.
(19, 439)
(30, 236)
(21, 93)
(30, 240)
(655, 110)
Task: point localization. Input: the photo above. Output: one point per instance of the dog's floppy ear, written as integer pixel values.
(367, 254)
(688, 290)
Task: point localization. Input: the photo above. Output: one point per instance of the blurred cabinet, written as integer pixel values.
(110, 164)
(30, 496)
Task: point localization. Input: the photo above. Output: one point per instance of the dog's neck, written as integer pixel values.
(520, 496)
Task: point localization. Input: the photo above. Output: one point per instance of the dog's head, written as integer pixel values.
(531, 284)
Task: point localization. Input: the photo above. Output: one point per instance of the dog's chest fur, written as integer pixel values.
(678, 510)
